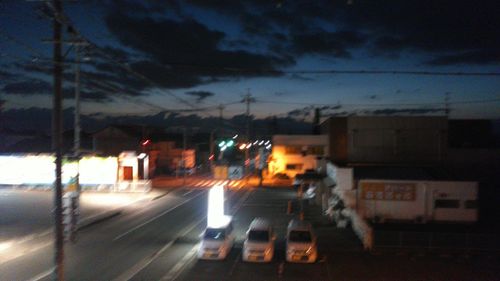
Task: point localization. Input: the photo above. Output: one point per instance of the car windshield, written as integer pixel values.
(300, 236)
(215, 234)
(258, 235)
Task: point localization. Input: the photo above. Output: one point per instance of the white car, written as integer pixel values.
(217, 242)
(259, 242)
(300, 242)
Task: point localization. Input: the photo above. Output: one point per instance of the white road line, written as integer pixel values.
(156, 217)
(129, 274)
(177, 269)
(234, 264)
(42, 275)
(189, 192)
(30, 250)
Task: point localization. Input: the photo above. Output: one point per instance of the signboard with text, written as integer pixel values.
(390, 191)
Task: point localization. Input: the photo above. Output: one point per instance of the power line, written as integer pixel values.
(20, 43)
(65, 19)
(403, 72)
(379, 104)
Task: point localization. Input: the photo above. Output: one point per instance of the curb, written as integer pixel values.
(98, 219)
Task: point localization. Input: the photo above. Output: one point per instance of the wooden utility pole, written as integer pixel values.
(247, 100)
(57, 125)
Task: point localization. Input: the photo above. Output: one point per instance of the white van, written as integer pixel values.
(217, 241)
(259, 242)
(300, 242)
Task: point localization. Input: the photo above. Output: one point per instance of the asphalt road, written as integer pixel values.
(158, 240)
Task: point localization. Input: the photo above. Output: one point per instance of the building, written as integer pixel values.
(115, 139)
(387, 140)
(166, 157)
(294, 154)
(161, 147)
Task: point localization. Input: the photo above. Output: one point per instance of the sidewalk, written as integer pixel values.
(330, 238)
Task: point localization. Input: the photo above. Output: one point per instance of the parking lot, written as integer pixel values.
(341, 256)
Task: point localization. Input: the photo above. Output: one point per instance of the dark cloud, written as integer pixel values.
(188, 49)
(200, 95)
(453, 31)
(28, 87)
(41, 87)
(373, 97)
(435, 27)
(331, 107)
(6, 75)
(472, 57)
(336, 44)
(299, 77)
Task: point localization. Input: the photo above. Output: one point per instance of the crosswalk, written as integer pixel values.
(233, 184)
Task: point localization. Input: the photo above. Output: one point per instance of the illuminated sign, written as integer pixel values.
(40, 169)
(388, 191)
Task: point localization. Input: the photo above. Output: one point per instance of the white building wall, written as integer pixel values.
(422, 205)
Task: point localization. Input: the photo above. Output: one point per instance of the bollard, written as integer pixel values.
(289, 208)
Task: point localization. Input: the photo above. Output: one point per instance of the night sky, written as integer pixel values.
(178, 58)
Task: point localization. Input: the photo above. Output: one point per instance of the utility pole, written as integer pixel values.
(57, 121)
(447, 104)
(247, 100)
(221, 119)
(184, 156)
(76, 146)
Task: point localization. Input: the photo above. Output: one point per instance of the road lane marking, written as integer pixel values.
(189, 192)
(25, 252)
(177, 269)
(234, 264)
(42, 275)
(156, 217)
(138, 267)
(129, 274)
(189, 257)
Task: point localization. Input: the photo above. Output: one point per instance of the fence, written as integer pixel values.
(434, 240)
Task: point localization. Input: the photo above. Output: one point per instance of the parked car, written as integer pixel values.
(185, 171)
(301, 242)
(217, 241)
(259, 242)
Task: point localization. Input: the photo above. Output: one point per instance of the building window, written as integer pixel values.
(294, 166)
(316, 150)
(293, 149)
(470, 204)
(446, 204)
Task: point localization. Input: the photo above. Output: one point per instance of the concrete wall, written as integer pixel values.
(397, 139)
(387, 140)
(336, 129)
